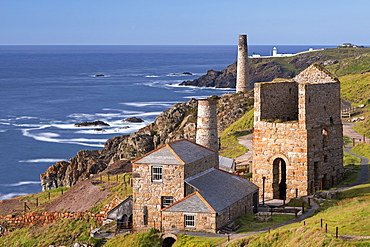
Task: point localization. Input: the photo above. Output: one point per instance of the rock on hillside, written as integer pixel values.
(176, 123)
(262, 70)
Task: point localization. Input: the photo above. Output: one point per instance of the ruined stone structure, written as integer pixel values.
(297, 138)
(179, 186)
(207, 134)
(242, 75)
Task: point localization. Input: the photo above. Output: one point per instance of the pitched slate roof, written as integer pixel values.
(176, 153)
(217, 188)
(193, 203)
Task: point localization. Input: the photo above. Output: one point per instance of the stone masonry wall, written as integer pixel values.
(148, 194)
(280, 140)
(311, 147)
(241, 207)
(45, 218)
(174, 221)
(201, 165)
(278, 101)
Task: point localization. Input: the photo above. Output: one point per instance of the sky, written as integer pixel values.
(190, 22)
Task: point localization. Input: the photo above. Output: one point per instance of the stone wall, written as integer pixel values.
(201, 165)
(298, 155)
(45, 218)
(174, 221)
(278, 101)
(147, 194)
(241, 207)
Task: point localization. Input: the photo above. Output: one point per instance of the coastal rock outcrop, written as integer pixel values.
(261, 70)
(94, 123)
(176, 123)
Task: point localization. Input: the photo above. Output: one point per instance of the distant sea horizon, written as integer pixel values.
(46, 89)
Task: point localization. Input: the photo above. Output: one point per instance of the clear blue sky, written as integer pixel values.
(187, 22)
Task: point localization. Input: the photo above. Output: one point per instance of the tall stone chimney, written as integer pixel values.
(242, 76)
(207, 134)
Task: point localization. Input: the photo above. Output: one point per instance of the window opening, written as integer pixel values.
(157, 173)
(189, 220)
(166, 201)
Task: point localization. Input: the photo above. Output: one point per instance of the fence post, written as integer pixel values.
(108, 178)
(49, 195)
(302, 207)
(296, 193)
(117, 177)
(353, 141)
(37, 201)
(336, 232)
(269, 229)
(309, 201)
(61, 191)
(25, 206)
(321, 223)
(320, 185)
(304, 222)
(326, 227)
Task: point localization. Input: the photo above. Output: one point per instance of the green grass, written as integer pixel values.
(248, 224)
(191, 241)
(63, 232)
(363, 127)
(230, 147)
(148, 239)
(350, 214)
(362, 149)
(356, 88)
(121, 189)
(353, 65)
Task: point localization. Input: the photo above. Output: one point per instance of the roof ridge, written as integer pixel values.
(175, 154)
(148, 153)
(205, 201)
(178, 201)
(199, 174)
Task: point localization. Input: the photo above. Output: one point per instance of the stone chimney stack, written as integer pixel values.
(207, 124)
(242, 76)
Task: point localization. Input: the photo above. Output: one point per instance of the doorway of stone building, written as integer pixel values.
(279, 179)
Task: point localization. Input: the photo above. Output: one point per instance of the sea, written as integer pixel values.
(45, 90)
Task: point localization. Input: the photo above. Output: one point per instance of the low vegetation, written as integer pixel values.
(230, 146)
(148, 239)
(62, 232)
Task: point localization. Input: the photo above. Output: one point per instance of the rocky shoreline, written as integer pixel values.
(176, 123)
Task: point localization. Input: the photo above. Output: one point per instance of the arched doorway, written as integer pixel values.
(279, 179)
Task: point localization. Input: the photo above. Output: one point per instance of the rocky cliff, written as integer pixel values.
(175, 123)
(262, 70)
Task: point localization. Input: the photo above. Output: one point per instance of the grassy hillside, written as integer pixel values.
(356, 88)
(230, 147)
(350, 214)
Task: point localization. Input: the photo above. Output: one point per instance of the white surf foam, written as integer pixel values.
(51, 137)
(22, 183)
(42, 160)
(152, 76)
(10, 195)
(145, 104)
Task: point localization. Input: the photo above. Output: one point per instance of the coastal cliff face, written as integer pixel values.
(176, 123)
(261, 70)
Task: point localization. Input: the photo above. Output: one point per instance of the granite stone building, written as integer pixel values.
(179, 186)
(297, 138)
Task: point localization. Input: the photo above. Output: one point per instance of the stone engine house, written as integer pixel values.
(297, 138)
(179, 186)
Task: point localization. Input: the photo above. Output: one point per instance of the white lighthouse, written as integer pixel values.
(274, 52)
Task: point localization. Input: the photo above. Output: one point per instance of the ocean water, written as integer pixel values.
(45, 90)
